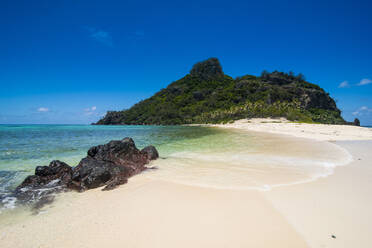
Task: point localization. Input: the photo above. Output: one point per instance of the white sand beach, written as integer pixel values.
(338, 205)
(323, 132)
(332, 211)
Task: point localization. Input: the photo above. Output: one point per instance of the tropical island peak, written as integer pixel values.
(207, 95)
(208, 70)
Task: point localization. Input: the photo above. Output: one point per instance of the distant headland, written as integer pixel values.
(207, 95)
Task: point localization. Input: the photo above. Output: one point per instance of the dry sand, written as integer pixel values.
(303, 130)
(153, 213)
(338, 205)
(150, 213)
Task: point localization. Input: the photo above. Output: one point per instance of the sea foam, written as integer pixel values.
(263, 168)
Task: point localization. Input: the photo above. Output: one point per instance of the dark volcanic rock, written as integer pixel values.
(43, 171)
(56, 170)
(92, 173)
(47, 180)
(116, 181)
(110, 164)
(151, 152)
(120, 152)
(356, 122)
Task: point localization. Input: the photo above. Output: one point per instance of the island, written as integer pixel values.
(208, 95)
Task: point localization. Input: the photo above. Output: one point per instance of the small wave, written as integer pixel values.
(249, 171)
(10, 199)
(9, 202)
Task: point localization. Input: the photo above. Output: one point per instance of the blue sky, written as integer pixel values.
(71, 61)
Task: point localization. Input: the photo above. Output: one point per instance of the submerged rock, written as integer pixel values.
(56, 170)
(47, 180)
(107, 165)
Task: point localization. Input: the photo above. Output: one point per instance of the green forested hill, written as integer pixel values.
(207, 95)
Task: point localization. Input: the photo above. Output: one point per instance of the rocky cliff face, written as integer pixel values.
(207, 95)
(310, 95)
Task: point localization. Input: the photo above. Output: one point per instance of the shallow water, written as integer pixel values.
(202, 156)
(23, 147)
(249, 160)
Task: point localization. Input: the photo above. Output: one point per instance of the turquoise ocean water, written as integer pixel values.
(198, 156)
(23, 147)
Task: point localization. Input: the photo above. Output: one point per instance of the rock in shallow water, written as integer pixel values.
(151, 152)
(92, 173)
(57, 171)
(110, 164)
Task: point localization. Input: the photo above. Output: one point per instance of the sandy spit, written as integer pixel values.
(323, 132)
(331, 212)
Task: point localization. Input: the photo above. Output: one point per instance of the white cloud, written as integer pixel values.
(90, 110)
(344, 84)
(101, 36)
(42, 109)
(362, 111)
(364, 81)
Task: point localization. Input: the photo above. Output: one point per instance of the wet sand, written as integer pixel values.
(338, 205)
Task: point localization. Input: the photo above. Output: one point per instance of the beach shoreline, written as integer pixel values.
(322, 132)
(332, 211)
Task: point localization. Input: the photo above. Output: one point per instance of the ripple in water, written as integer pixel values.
(200, 156)
(23, 147)
(241, 161)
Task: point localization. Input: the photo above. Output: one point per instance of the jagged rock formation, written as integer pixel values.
(110, 164)
(207, 95)
(106, 165)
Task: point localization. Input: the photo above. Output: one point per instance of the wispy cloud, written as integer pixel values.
(43, 109)
(90, 110)
(344, 84)
(364, 81)
(100, 36)
(362, 111)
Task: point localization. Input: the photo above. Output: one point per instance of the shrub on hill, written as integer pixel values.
(207, 95)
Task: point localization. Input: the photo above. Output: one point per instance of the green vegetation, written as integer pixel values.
(207, 95)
